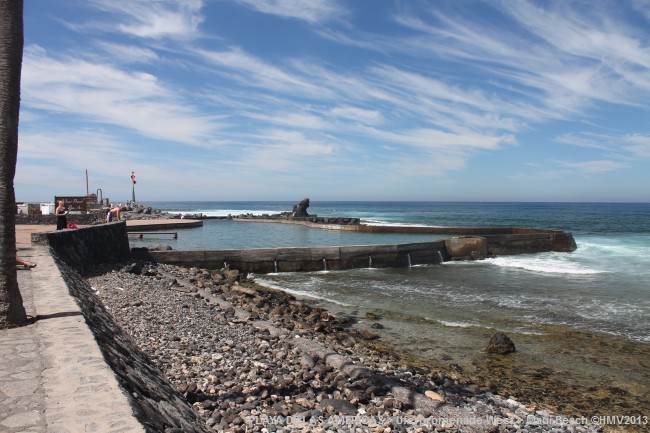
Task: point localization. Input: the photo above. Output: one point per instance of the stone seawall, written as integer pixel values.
(156, 405)
(500, 240)
(297, 259)
(474, 243)
(88, 246)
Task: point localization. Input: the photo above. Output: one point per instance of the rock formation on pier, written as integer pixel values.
(300, 210)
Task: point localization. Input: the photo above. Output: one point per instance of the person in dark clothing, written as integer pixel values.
(61, 220)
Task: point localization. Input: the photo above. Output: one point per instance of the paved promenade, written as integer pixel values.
(53, 377)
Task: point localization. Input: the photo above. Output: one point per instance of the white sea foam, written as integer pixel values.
(547, 265)
(611, 311)
(453, 324)
(528, 332)
(635, 251)
(372, 222)
(456, 324)
(312, 295)
(300, 293)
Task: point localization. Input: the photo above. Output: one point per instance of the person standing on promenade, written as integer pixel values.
(61, 220)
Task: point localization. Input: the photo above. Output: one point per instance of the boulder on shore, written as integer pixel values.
(500, 343)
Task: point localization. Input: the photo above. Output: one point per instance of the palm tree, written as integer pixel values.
(12, 312)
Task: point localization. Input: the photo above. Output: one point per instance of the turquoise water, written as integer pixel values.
(602, 286)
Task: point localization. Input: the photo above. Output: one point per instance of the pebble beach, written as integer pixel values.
(252, 359)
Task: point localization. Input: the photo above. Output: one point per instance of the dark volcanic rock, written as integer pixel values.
(500, 343)
(300, 210)
(133, 268)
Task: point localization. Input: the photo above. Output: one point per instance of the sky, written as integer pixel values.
(336, 100)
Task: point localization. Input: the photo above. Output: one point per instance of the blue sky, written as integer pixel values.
(336, 100)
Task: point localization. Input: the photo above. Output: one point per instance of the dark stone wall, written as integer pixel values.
(501, 240)
(158, 407)
(79, 219)
(88, 246)
(530, 243)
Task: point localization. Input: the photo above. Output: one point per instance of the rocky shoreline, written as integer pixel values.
(252, 359)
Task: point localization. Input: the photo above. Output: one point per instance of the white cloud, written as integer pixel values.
(613, 57)
(583, 32)
(94, 149)
(596, 167)
(312, 11)
(154, 19)
(437, 140)
(55, 161)
(637, 145)
(295, 143)
(453, 107)
(627, 146)
(290, 119)
(129, 53)
(566, 56)
(359, 115)
(103, 94)
(251, 71)
(277, 150)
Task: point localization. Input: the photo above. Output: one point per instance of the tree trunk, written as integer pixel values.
(12, 312)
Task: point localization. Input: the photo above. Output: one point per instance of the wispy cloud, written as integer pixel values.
(627, 146)
(312, 11)
(357, 115)
(436, 140)
(103, 94)
(638, 145)
(596, 167)
(129, 53)
(249, 70)
(586, 140)
(94, 149)
(563, 56)
(152, 19)
(292, 119)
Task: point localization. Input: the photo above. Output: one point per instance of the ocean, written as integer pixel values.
(580, 318)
